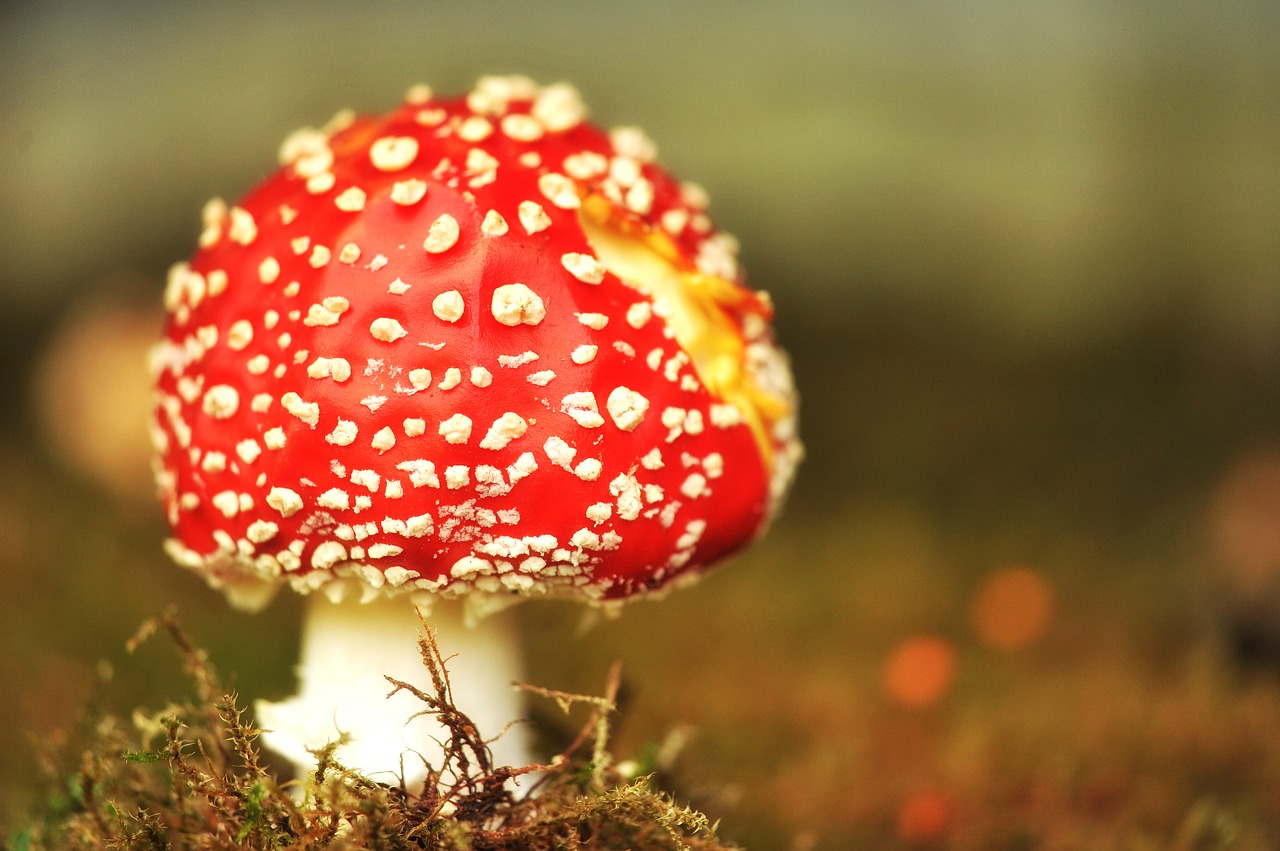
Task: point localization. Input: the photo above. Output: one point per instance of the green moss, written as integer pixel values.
(191, 776)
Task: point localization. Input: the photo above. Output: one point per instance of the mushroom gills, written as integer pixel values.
(699, 309)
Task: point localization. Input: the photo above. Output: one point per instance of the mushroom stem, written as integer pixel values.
(349, 647)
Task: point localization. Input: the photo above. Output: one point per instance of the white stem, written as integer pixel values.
(348, 647)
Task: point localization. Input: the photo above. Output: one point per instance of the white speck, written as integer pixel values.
(653, 493)
(387, 330)
(584, 267)
(414, 427)
(639, 314)
(320, 256)
(599, 512)
(694, 486)
(343, 434)
(652, 459)
(421, 472)
(481, 377)
(261, 531)
(393, 489)
(585, 165)
(226, 502)
(420, 379)
(493, 224)
(378, 261)
(328, 554)
(334, 498)
(448, 306)
(300, 244)
(442, 235)
(582, 407)
(452, 378)
(243, 230)
(214, 462)
(626, 407)
(408, 192)
(286, 501)
(308, 412)
(349, 254)
(516, 361)
(624, 348)
(674, 220)
(213, 215)
(269, 270)
(489, 481)
(336, 368)
(217, 280)
(318, 184)
(418, 94)
(468, 566)
(430, 117)
(627, 490)
(558, 107)
(725, 416)
(521, 127)
(368, 479)
(239, 335)
(541, 378)
(559, 452)
(505, 429)
(456, 429)
(384, 550)
(639, 198)
(585, 539)
(383, 440)
(274, 438)
(633, 142)
(589, 469)
(326, 312)
(419, 525)
(393, 153)
(713, 465)
(480, 161)
(221, 401)
(457, 476)
(584, 354)
(351, 200)
(398, 287)
(248, 450)
(516, 304)
(522, 467)
(594, 321)
(532, 217)
(559, 190)
(373, 403)
(476, 128)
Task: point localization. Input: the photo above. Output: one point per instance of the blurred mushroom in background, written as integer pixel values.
(92, 395)
(1243, 525)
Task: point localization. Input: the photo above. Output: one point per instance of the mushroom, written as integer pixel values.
(471, 353)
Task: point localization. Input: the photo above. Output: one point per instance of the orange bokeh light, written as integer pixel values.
(925, 815)
(1012, 609)
(920, 670)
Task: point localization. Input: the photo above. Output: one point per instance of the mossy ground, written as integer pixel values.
(191, 776)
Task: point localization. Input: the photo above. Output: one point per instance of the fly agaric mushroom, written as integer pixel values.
(473, 352)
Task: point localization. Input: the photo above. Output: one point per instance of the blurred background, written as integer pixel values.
(1026, 258)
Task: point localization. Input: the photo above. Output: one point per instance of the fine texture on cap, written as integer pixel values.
(476, 346)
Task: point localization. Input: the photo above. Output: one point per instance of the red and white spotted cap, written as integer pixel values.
(478, 345)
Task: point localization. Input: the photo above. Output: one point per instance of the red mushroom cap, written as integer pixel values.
(477, 345)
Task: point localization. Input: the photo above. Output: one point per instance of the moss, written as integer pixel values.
(191, 776)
